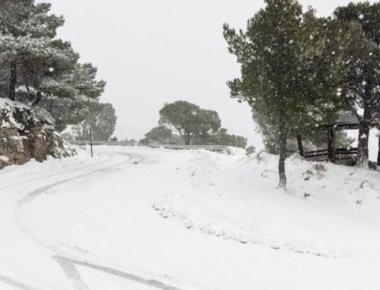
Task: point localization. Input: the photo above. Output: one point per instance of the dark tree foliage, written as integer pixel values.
(161, 135)
(292, 64)
(222, 137)
(189, 120)
(276, 54)
(71, 100)
(366, 13)
(101, 121)
(361, 78)
(28, 44)
(40, 69)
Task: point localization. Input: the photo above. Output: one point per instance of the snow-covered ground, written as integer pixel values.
(139, 218)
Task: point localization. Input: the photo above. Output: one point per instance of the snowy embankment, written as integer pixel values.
(161, 219)
(28, 133)
(330, 211)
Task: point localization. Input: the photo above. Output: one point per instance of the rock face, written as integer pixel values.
(27, 133)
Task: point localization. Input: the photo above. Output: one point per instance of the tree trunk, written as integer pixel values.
(281, 164)
(363, 154)
(331, 144)
(300, 145)
(363, 140)
(13, 81)
(187, 139)
(37, 99)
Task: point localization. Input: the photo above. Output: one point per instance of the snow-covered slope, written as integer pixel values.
(138, 218)
(329, 210)
(27, 133)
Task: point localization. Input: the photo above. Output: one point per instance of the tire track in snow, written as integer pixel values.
(15, 283)
(70, 270)
(110, 158)
(68, 256)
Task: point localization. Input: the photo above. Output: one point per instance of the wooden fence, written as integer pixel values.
(342, 155)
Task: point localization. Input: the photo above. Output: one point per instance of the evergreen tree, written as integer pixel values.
(74, 96)
(282, 78)
(39, 68)
(189, 120)
(160, 134)
(68, 111)
(361, 81)
(222, 137)
(101, 121)
(28, 45)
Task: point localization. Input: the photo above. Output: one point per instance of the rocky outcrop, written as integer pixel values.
(26, 134)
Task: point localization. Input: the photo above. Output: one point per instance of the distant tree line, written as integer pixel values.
(38, 68)
(298, 71)
(185, 123)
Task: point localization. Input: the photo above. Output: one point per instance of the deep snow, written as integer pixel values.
(139, 218)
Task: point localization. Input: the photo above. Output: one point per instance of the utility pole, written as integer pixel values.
(92, 150)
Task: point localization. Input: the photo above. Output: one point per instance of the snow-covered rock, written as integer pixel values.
(27, 133)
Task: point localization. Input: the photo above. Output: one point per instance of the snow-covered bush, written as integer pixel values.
(27, 133)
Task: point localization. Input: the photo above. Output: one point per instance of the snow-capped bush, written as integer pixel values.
(27, 133)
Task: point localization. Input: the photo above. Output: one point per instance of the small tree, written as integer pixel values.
(222, 137)
(159, 134)
(102, 122)
(189, 120)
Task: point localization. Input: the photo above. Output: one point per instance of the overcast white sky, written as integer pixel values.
(156, 51)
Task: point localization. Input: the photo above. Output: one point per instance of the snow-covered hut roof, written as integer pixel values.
(347, 118)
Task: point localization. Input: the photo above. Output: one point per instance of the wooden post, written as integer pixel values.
(13, 81)
(378, 153)
(300, 145)
(92, 151)
(331, 144)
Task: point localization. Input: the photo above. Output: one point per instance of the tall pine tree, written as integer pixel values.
(361, 79)
(281, 77)
(39, 68)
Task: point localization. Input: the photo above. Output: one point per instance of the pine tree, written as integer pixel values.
(282, 78)
(39, 68)
(71, 97)
(189, 120)
(362, 69)
(28, 46)
(222, 137)
(101, 120)
(160, 134)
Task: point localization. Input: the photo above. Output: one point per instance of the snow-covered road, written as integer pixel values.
(137, 218)
(67, 256)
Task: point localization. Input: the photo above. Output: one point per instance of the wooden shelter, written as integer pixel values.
(346, 121)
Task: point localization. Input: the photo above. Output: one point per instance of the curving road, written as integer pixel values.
(68, 257)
